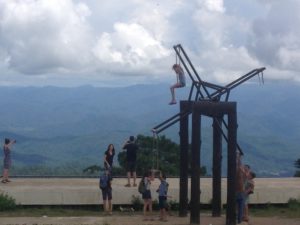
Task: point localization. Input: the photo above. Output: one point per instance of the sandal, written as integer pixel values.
(127, 185)
(4, 181)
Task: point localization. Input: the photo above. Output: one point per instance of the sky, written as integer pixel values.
(120, 43)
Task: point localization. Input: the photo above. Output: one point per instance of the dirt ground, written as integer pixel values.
(136, 220)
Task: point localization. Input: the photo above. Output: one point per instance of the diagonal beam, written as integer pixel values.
(169, 122)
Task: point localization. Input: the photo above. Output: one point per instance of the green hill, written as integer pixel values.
(59, 126)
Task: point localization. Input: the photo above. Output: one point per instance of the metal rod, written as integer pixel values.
(166, 121)
(157, 131)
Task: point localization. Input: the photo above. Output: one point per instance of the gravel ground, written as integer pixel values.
(136, 220)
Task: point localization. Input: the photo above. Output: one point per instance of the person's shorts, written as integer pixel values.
(131, 167)
(181, 81)
(162, 202)
(146, 194)
(6, 163)
(106, 194)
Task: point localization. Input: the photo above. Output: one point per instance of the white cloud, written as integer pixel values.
(222, 58)
(275, 37)
(130, 45)
(213, 5)
(111, 41)
(289, 58)
(45, 36)
(104, 51)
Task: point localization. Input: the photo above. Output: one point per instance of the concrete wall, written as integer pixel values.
(56, 191)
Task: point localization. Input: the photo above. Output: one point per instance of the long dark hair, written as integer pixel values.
(6, 141)
(178, 67)
(113, 149)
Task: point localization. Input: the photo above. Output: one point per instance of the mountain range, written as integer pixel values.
(55, 126)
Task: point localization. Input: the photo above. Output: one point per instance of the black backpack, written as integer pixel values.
(142, 187)
(103, 182)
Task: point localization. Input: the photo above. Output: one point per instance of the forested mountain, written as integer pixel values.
(57, 126)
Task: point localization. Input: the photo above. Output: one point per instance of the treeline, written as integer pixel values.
(297, 165)
(161, 154)
(69, 169)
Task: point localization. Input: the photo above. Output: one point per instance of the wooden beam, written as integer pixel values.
(231, 174)
(217, 167)
(195, 168)
(184, 162)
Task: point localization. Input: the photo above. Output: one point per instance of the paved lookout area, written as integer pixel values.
(85, 191)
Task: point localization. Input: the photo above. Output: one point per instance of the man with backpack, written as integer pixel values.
(162, 197)
(105, 186)
(145, 190)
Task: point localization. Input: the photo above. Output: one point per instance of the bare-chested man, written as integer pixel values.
(240, 188)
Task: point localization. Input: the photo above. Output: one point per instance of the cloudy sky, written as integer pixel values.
(113, 42)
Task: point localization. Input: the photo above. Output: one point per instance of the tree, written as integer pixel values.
(92, 169)
(95, 170)
(167, 153)
(166, 157)
(297, 165)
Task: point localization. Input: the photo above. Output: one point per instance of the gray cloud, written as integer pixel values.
(76, 42)
(44, 36)
(275, 37)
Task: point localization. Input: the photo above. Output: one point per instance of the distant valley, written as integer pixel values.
(57, 126)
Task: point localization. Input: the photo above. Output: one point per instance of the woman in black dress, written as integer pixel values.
(7, 159)
(109, 157)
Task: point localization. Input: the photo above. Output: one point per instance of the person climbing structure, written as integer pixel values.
(180, 82)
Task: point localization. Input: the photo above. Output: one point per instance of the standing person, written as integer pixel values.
(109, 158)
(7, 159)
(180, 81)
(146, 195)
(240, 188)
(162, 197)
(131, 149)
(105, 186)
(249, 188)
(247, 170)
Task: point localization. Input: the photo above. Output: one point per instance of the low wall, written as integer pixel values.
(85, 191)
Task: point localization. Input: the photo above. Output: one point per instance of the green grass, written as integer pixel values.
(7, 202)
(275, 211)
(290, 210)
(55, 211)
(61, 211)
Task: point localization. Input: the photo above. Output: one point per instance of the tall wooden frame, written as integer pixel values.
(217, 111)
(206, 99)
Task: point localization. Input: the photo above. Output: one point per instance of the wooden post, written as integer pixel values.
(231, 174)
(184, 162)
(217, 163)
(195, 168)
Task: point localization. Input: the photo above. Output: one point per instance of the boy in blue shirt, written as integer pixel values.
(162, 192)
(105, 186)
